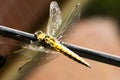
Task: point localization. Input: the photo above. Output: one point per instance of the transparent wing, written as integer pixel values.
(35, 54)
(55, 19)
(40, 59)
(32, 54)
(55, 26)
(72, 19)
(28, 51)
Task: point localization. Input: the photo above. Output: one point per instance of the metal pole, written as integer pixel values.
(16, 34)
(94, 55)
(84, 52)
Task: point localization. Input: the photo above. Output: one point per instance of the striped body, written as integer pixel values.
(51, 41)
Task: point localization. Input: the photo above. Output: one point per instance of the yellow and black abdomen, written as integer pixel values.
(54, 43)
(60, 48)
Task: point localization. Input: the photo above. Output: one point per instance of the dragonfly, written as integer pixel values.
(41, 50)
(54, 24)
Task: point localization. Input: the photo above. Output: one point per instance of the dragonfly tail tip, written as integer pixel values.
(88, 65)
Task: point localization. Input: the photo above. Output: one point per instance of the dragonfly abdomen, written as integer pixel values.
(51, 41)
(60, 48)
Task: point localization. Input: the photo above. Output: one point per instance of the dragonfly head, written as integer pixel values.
(40, 35)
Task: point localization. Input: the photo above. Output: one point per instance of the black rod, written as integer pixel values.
(94, 55)
(84, 52)
(16, 34)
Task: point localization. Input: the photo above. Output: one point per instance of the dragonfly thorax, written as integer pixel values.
(44, 39)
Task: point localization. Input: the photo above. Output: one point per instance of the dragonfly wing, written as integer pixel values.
(72, 19)
(55, 19)
(40, 59)
(29, 51)
(34, 54)
(55, 26)
(25, 53)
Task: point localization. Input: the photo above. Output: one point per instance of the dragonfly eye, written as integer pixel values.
(40, 35)
(38, 32)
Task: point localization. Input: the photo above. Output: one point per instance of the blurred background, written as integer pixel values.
(98, 29)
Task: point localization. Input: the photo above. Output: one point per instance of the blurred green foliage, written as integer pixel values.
(109, 8)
